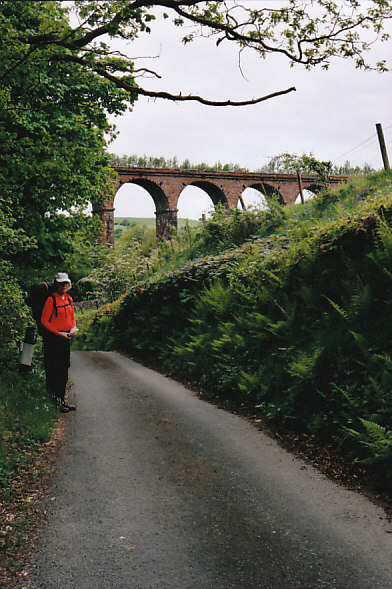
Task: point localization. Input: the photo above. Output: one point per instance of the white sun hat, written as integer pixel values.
(61, 277)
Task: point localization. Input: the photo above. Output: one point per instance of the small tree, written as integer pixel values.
(306, 164)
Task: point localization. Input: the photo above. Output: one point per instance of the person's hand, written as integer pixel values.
(65, 334)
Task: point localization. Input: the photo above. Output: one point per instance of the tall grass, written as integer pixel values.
(26, 418)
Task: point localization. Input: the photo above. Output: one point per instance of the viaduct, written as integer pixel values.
(165, 187)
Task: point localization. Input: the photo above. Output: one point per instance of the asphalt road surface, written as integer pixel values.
(157, 489)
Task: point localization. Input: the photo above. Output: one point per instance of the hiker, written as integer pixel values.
(59, 327)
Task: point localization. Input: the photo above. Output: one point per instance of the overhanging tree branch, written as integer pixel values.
(180, 97)
(123, 84)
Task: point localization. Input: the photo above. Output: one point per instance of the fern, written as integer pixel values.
(303, 367)
(361, 300)
(377, 387)
(289, 309)
(384, 359)
(350, 267)
(378, 441)
(249, 383)
(283, 327)
(306, 293)
(339, 310)
(350, 398)
(382, 256)
(384, 238)
(274, 277)
(360, 340)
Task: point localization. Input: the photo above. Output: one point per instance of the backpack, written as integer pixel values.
(36, 300)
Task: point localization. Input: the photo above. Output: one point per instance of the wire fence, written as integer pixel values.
(366, 154)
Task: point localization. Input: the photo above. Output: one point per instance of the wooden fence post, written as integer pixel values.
(300, 186)
(383, 147)
(242, 202)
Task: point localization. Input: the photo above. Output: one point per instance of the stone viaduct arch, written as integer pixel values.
(165, 187)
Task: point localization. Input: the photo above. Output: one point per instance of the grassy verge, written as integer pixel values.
(27, 420)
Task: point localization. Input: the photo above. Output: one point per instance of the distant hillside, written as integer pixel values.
(123, 223)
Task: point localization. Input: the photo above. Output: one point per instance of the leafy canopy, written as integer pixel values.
(305, 33)
(52, 129)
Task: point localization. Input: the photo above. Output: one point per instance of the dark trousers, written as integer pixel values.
(56, 363)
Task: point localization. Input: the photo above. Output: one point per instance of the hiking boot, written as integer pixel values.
(69, 407)
(63, 408)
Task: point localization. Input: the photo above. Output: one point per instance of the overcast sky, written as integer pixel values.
(332, 113)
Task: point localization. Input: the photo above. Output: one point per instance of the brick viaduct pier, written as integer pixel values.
(165, 187)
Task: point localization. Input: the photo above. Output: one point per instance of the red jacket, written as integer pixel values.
(61, 319)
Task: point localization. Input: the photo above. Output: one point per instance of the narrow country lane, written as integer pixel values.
(157, 489)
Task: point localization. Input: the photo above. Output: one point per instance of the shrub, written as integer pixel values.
(14, 316)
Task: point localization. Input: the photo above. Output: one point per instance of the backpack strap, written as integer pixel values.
(54, 308)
